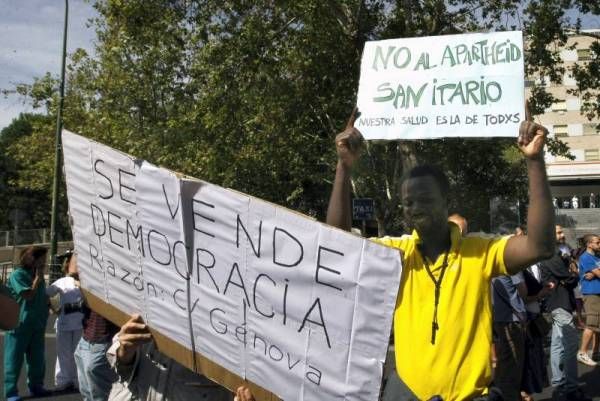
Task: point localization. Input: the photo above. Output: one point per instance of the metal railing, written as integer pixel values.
(13, 241)
(27, 237)
(5, 269)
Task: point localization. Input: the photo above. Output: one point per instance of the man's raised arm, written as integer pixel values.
(348, 145)
(538, 244)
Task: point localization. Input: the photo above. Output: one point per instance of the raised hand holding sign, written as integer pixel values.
(349, 142)
(532, 137)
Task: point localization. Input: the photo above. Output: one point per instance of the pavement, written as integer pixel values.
(589, 377)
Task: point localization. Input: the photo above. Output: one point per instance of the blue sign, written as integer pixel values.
(363, 209)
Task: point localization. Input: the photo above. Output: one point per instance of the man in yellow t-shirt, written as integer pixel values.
(442, 321)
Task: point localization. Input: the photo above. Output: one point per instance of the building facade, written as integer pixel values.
(575, 184)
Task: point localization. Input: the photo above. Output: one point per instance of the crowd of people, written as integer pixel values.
(468, 325)
(574, 202)
(555, 286)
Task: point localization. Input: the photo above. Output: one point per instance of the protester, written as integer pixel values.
(535, 372)
(146, 374)
(510, 320)
(27, 286)
(94, 374)
(68, 323)
(461, 222)
(531, 291)
(442, 322)
(575, 202)
(589, 273)
(561, 304)
(9, 318)
(574, 267)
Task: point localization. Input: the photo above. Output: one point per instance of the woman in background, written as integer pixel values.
(27, 286)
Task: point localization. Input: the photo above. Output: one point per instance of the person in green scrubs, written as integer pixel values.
(26, 285)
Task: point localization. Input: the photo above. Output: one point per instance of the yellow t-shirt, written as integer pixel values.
(457, 366)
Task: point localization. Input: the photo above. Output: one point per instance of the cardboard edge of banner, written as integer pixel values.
(181, 354)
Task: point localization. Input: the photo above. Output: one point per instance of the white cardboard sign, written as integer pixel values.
(469, 85)
(302, 309)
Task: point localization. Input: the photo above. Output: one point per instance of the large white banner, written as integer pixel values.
(469, 85)
(297, 307)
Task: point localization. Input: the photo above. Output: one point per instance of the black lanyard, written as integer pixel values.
(438, 285)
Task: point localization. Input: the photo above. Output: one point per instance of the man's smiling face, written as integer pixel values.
(424, 206)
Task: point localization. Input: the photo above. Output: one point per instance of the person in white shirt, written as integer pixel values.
(68, 324)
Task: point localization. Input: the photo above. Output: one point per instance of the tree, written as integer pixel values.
(250, 95)
(25, 182)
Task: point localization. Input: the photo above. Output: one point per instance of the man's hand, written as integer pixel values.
(133, 334)
(589, 276)
(532, 137)
(546, 289)
(243, 393)
(349, 142)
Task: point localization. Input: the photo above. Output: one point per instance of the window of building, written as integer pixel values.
(591, 155)
(559, 105)
(590, 129)
(568, 80)
(529, 83)
(560, 130)
(584, 54)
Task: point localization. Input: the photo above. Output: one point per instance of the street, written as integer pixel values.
(589, 377)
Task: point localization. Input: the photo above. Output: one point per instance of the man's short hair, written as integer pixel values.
(588, 238)
(428, 170)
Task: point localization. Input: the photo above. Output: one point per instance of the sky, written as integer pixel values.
(31, 43)
(31, 34)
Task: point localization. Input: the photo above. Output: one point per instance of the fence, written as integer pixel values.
(27, 237)
(11, 243)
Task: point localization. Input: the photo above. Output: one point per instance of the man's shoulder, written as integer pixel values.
(64, 282)
(480, 241)
(588, 259)
(19, 272)
(19, 276)
(396, 242)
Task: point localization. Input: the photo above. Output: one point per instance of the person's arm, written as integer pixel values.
(53, 289)
(545, 275)
(544, 292)
(348, 146)
(570, 282)
(524, 250)
(29, 294)
(522, 290)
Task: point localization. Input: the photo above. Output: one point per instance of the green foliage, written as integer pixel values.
(250, 95)
(26, 167)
